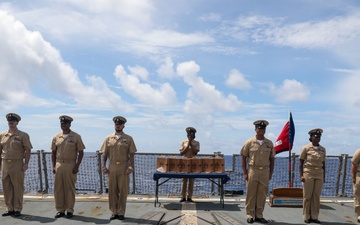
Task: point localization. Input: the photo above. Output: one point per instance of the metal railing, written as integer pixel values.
(39, 177)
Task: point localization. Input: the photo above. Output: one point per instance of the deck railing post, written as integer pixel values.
(98, 154)
(43, 157)
(39, 171)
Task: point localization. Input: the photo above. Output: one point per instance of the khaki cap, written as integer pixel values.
(13, 116)
(316, 132)
(119, 120)
(65, 119)
(190, 130)
(261, 123)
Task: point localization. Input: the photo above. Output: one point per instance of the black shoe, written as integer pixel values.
(59, 214)
(261, 220)
(316, 221)
(121, 217)
(8, 213)
(114, 216)
(183, 200)
(17, 213)
(250, 220)
(307, 221)
(189, 200)
(69, 215)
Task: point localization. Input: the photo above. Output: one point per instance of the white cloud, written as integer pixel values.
(347, 92)
(29, 62)
(139, 71)
(313, 34)
(290, 91)
(237, 80)
(126, 26)
(204, 98)
(166, 70)
(143, 92)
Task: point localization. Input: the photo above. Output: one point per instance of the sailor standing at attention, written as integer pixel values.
(258, 166)
(67, 153)
(15, 152)
(312, 175)
(120, 149)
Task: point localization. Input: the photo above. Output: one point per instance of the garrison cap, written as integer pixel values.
(261, 123)
(190, 130)
(65, 119)
(316, 132)
(13, 116)
(119, 120)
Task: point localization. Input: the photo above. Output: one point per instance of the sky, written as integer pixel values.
(165, 65)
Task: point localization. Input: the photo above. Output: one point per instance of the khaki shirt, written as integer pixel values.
(118, 149)
(190, 153)
(356, 159)
(67, 147)
(259, 155)
(13, 146)
(314, 158)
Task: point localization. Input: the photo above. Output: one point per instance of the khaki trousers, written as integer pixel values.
(13, 184)
(64, 187)
(190, 188)
(311, 193)
(118, 188)
(356, 190)
(256, 192)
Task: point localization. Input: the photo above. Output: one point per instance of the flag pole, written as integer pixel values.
(289, 164)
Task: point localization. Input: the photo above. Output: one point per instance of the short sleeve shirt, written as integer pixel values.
(13, 146)
(258, 154)
(194, 144)
(67, 147)
(118, 149)
(356, 159)
(314, 158)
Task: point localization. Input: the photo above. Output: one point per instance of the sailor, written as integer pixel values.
(67, 153)
(355, 169)
(15, 152)
(312, 174)
(189, 148)
(258, 166)
(120, 149)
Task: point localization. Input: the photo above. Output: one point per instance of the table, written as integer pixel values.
(223, 178)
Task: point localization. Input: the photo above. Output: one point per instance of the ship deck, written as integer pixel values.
(93, 209)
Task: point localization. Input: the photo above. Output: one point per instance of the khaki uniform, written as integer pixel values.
(118, 150)
(258, 175)
(67, 149)
(188, 154)
(356, 187)
(12, 149)
(314, 179)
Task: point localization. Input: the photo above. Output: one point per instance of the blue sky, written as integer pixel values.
(165, 65)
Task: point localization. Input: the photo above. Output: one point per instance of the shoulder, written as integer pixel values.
(73, 133)
(269, 142)
(57, 134)
(250, 140)
(126, 136)
(22, 133)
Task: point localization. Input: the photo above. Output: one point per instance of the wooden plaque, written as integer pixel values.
(173, 164)
(219, 165)
(196, 165)
(185, 165)
(162, 162)
(208, 165)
